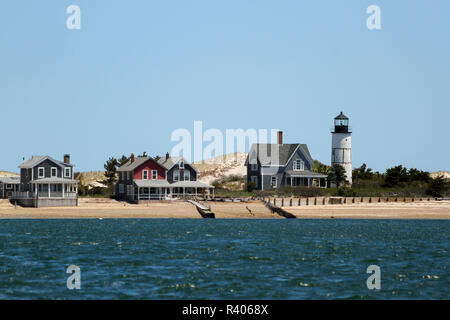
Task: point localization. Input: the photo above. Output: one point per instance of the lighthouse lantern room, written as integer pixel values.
(341, 145)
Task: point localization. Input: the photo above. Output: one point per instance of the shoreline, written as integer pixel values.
(91, 208)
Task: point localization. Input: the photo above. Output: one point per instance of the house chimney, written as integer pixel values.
(67, 158)
(132, 157)
(167, 156)
(280, 137)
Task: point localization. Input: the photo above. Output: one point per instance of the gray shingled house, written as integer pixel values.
(144, 178)
(270, 166)
(46, 182)
(9, 185)
(183, 177)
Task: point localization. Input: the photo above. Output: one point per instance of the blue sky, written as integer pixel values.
(137, 70)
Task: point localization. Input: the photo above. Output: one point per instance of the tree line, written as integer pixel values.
(395, 177)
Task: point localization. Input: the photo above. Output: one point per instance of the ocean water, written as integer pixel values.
(224, 259)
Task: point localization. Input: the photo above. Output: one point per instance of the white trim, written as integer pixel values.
(178, 175)
(276, 182)
(43, 172)
(51, 172)
(181, 162)
(65, 172)
(184, 175)
(301, 166)
(144, 171)
(153, 171)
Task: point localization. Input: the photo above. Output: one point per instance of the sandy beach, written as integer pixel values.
(106, 208)
(390, 210)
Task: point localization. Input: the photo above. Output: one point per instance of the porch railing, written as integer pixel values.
(32, 195)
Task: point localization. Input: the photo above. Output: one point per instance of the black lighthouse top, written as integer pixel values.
(341, 124)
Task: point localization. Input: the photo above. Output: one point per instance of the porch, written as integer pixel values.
(306, 179)
(162, 190)
(49, 192)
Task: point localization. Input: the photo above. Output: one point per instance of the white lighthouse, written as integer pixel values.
(341, 145)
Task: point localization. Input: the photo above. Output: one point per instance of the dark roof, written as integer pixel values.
(275, 154)
(128, 166)
(35, 160)
(169, 163)
(342, 116)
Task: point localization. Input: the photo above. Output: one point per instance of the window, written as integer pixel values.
(9, 186)
(187, 175)
(181, 164)
(299, 165)
(67, 172)
(145, 174)
(254, 167)
(41, 172)
(128, 175)
(154, 174)
(54, 172)
(120, 188)
(341, 122)
(176, 175)
(254, 179)
(273, 182)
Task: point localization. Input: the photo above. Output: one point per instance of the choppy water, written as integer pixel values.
(224, 259)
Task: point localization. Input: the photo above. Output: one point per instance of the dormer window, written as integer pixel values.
(67, 173)
(181, 164)
(41, 172)
(54, 172)
(299, 165)
(254, 167)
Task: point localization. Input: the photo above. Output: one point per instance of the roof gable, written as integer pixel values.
(271, 154)
(36, 160)
(138, 161)
(276, 154)
(172, 161)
